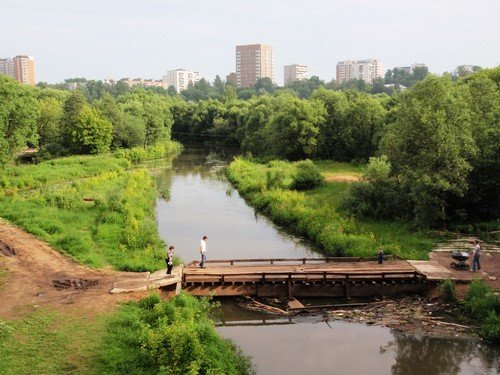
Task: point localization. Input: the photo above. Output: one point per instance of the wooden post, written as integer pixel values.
(347, 295)
(290, 286)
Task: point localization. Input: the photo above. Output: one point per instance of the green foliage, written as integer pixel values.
(447, 289)
(314, 214)
(481, 307)
(91, 208)
(307, 176)
(18, 116)
(45, 342)
(168, 337)
(91, 134)
(158, 151)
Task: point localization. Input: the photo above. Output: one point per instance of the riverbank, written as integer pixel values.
(317, 214)
(97, 209)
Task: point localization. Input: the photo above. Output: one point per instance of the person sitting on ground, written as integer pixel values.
(170, 259)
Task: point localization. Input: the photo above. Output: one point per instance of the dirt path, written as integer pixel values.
(35, 275)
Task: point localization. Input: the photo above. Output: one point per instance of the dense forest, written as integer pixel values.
(433, 151)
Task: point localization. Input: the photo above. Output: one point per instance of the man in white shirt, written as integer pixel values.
(203, 250)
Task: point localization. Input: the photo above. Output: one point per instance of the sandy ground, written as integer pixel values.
(35, 275)
(342, 178)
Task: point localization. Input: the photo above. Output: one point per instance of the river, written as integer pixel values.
(202, 202)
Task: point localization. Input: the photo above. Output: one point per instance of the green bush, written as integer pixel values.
(168, 337)
(447, 289)
(481, 307)
(307, 176)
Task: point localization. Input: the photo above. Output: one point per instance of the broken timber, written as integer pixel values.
(305, 277)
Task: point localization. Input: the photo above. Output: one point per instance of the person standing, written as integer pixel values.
(170, 259)
(203, 251)
(476, 254)
(380, 255)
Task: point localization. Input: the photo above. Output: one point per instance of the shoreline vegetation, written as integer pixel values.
(97, 209)
(317, 213)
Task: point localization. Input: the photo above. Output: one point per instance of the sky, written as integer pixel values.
(99, 39)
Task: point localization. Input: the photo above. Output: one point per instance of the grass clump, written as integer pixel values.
(307, 176)
(447, 289)
(153, 336)
(481, 308)
(316, 213)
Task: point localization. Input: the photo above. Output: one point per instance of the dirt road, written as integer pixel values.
(35, 275)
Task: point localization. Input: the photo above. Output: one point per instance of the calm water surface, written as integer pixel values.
(203, 202)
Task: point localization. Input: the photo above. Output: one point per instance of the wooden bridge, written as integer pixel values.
(310, 277)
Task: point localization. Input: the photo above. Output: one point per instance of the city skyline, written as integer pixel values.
(99, 40)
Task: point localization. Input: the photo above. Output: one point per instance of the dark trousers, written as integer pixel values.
(203, 258)
(475, 263)
(169, 267)
(380, 259)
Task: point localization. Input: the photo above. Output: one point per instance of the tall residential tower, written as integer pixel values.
(21, 67)
(253, 61)
(181, 78)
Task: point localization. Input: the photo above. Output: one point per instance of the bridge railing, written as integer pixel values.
(292, 260)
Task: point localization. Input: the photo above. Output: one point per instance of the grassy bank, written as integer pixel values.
(46, 342)
(316, 213)
(96, 209)
(151, 336)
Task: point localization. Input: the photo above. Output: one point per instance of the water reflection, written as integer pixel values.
(419, 354)
(203, 202)
(314, 345)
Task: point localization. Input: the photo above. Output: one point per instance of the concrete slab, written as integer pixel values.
(140, 282)
(432, 269)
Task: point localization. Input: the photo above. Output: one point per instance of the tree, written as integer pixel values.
(70, 119)
(48, 122)
(294, 127)
(429, 144)
(265, 85)
(219, 85)
(92, 134)
(18, 117)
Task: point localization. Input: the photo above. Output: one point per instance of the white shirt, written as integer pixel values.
(203, 246)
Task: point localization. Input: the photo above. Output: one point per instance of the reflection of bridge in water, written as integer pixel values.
(311, 277)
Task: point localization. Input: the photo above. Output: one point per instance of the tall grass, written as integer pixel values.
(315, 214)
(94, 208)
(158, 151)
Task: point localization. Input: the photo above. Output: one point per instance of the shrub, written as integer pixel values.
(168, 337)
(447, 289)
(307, 176)
(481, 307)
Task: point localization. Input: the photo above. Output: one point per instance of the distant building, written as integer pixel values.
(231, 77)
(21, 67)
(366, 70)
(143, 82)
(295, 72)
(7, 67)
(411, 68)
(253, 61)
(181, 78)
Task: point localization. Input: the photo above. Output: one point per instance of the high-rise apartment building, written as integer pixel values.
(21, 67)
(253, 61)
(295, 72)
(181, 78)
(366, 70)
(7, 67)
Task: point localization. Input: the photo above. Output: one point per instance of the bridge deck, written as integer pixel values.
(297, 276)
